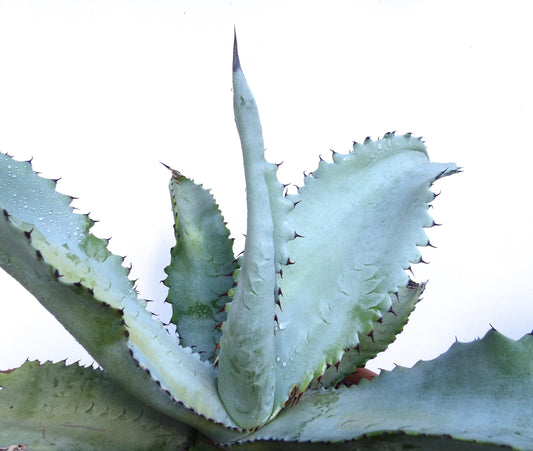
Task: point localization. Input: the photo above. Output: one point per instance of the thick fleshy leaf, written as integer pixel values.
(361, 219)
(202, 263)
(246, 376)
(48, 248)
(53, 406)
(479, 391)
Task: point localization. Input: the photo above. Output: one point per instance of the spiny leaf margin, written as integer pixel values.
(63, 265)
(384, 332)
(361, 219)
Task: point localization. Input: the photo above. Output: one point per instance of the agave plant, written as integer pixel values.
(265, 343)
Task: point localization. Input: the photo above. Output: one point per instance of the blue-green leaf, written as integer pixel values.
(361, 219)
(246, 371)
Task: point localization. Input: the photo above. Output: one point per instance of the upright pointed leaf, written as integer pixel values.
(200, 272)
(246, 376)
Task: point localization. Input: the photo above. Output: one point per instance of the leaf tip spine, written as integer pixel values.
(177, 176)
(236, 62)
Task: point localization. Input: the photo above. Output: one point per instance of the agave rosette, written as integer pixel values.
(262, 342)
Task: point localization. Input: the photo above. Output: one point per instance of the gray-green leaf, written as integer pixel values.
(202, 263)
(58, 407)
(479, 391)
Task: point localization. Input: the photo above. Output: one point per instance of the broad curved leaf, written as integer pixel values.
(479, 391)
(361, 219)
(58, 407)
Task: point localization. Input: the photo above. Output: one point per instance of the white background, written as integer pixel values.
(98, 92)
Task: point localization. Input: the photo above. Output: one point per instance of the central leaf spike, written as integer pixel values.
(246, 376)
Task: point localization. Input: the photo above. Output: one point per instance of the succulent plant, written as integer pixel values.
(265, 344)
